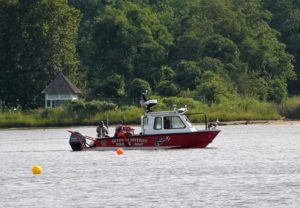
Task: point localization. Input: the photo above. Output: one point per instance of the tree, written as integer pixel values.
(222, 48)
(166, 73)
(286, 19)
(37, 40)
(128, 40)
(187, 47)
(138, 86)
(213, 87)
(188, 74)
(113, 86)
(167, 88)
(277, 91)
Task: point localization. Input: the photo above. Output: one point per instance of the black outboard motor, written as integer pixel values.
(77, 141)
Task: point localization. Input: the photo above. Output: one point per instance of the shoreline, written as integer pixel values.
(261, 122)
(225, 123)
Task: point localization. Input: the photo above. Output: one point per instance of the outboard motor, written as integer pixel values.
(77, 141)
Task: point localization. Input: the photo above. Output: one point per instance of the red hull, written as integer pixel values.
(199, 139)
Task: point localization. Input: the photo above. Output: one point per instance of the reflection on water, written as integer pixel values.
(246, 166)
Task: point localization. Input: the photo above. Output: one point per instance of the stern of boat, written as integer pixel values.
(77, 141)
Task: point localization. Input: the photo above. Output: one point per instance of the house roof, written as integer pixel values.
(61, 85)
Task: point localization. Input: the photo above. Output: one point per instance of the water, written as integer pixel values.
(246, 166)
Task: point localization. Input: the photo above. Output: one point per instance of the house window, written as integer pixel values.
(157, 123)
(173, 122)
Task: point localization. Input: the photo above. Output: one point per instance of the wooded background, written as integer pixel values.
(216, 49)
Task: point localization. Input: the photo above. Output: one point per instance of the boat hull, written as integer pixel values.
(198, 139)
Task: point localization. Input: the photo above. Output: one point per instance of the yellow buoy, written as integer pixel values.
(36, 169)
(120, 151)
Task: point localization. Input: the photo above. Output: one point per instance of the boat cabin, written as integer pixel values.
(165, 122)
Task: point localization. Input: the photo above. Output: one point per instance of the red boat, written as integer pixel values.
(159, 130)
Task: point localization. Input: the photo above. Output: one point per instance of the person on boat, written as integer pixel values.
(102, 130)
(119, 128)
(167, 123)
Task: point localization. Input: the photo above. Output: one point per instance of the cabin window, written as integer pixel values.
(173, 122)
(157, 123)
(145, 121)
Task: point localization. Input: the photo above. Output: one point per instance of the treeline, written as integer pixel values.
(214, 49)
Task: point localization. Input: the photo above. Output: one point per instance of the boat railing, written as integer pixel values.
(205, 118)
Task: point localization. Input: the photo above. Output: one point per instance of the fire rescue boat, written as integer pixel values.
(159, 130)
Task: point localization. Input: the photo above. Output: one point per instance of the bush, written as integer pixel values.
(181, 102)
(84, 108)
(138, 86)
(291, 108)
(167, 88)
(277, 91)
(214, 87)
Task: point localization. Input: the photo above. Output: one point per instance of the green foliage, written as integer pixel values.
(290, 108)
(138, 86)
(285, 19)
(251, 85)
(170, 45)
(37, 40)
(214, 87)
(166, 73)
(89, 108)
(126, 39)
(188, 74)
(222, 48)
(277, 91)
(166, 88)
(190, 103)
(85, 113)
(114, 86)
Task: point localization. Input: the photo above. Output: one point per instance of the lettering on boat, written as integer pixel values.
(114, 141)
(138, 142)
(162, 140)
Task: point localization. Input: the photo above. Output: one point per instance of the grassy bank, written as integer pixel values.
(61, 117)
(91, 113)
(290, 108)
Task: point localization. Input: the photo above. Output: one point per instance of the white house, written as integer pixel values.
(59, 90)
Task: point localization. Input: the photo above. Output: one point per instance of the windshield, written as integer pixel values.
(187, 121)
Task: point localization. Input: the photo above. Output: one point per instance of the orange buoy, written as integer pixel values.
(120, 151)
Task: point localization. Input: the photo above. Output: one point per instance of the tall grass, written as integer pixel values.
(230, 110)
(63, 117)
(85, 114)
(244, 109)
(290, 108)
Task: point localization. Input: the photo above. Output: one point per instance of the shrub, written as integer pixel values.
(138, 86)
(277, 91)
(167, 88)
(290, 108)
(83, 108)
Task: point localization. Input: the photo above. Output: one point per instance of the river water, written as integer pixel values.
(245, 166)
